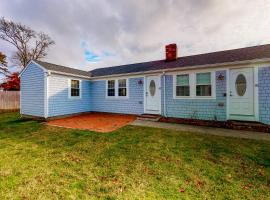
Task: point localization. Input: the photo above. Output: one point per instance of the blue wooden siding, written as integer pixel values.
(204, 109)
(264, 94)
(132, 105)
(59, 102)
(32, 91)
(94, 97)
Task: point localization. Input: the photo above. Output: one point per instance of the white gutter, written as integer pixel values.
(69, 74)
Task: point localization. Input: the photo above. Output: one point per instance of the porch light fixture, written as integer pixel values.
(140, 82)
(220, 77)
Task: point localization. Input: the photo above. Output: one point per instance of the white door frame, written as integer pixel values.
(144, 94)
(256, 95)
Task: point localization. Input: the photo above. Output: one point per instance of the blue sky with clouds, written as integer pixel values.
(91, 34)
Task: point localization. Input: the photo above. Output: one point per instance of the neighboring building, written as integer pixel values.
(225, 85)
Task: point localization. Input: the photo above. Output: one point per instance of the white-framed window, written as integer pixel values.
(194, 85)
(182, 85)
(111, 88)
(75, 88)
(203, 84)
(117, 88)
(122, 87)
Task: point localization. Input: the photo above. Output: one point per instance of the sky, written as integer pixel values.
(91, 34)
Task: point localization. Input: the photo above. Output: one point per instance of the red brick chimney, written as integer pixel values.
(171, 52)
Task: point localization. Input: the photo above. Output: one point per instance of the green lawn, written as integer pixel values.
(42, 162)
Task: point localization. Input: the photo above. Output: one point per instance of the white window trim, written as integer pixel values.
(116, 89)
(69, 89)
(189, 82)
(192, 85)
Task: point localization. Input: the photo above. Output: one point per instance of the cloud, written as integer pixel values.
(120, 31)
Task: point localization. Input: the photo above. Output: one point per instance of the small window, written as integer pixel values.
(182, 85)
(241, 85)
(111, 88)
(152, 88)
(203, 84)
(122, 88)
(75, 88)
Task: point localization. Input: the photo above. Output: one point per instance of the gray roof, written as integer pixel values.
(243, 54)
(228, 56)
(59, 68)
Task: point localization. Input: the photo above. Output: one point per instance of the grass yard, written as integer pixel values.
(42, 162)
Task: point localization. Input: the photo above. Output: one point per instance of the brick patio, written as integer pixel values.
(99, 122)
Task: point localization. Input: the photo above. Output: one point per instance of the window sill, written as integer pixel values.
(74, 98)
(194, 98)
(117, 98)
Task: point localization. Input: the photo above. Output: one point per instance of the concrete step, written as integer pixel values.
(149, 117)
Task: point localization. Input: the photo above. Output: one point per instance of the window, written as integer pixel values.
(182, 85)
(75, 88)
(241, 85)
(111, 88)
(122, 88)
(203, 84)
(152, 88)
(194, 85)
(117, 88)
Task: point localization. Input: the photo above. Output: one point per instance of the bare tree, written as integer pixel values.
(3, 63)
(28, 43)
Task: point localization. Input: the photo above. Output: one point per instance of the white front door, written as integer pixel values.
(241, 94)
(152, 95)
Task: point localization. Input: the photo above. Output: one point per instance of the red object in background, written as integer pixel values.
(171, 52)
(12, 82)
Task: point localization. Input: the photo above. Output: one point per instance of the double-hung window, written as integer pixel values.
(203, 84)
(182, 85)
(75, 88)
(122, 87)
(117, 88)
(111, 88)
(194, 85)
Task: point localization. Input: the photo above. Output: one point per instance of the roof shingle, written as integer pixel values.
(59, 68)
(220, 57)
(243, 54)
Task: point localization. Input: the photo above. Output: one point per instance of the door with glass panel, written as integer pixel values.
(152, 95)
(241, 93)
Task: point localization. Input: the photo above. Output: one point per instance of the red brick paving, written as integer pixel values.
(99, 122)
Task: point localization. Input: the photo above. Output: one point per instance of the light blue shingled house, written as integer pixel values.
(225, 85)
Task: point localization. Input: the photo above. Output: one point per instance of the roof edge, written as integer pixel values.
(32, 61)
(69, 74)
(226, 64)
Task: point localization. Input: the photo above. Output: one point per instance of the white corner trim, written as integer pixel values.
(164, 95)
(32, 62)
(256, 93)
(144, 94)
(116, 86)
(46, 90)
(227, 94)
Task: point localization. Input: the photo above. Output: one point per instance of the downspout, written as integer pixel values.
(164, 94)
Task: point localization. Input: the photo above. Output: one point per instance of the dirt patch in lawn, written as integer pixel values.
(100, 122)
